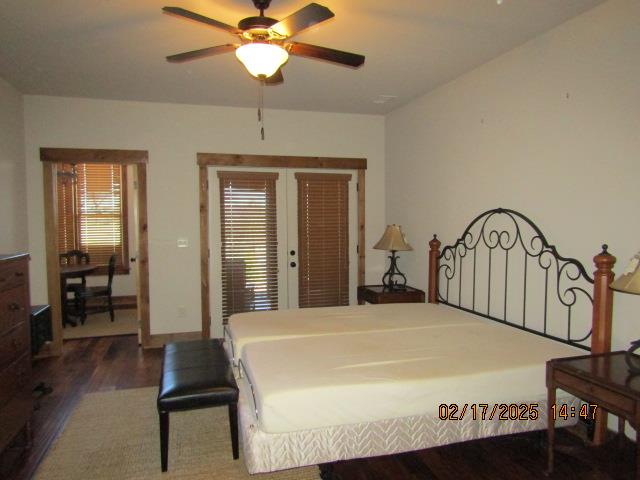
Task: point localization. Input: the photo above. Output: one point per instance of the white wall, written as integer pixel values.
(173, 134)
(13, 208)
(551, 129)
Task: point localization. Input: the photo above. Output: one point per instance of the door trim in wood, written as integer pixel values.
(50, 157)
(206, 160)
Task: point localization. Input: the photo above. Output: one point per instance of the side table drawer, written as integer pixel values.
(378, 294)
(604, 397)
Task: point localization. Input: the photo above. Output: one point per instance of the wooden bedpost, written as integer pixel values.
(602, 302)
(601, 326)
(434, 254)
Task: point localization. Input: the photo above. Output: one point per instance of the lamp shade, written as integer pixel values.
(393, 239)
(629, 281)
(262, 58)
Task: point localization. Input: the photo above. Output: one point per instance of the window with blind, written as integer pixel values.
(323, 239)
(92, 212)
(249, 244)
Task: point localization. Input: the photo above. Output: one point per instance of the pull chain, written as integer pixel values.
(261, 108)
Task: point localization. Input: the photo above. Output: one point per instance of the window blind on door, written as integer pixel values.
(323, 239)
(92, 212)
(249, 243)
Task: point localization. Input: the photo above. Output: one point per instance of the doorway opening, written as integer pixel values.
(96, 232)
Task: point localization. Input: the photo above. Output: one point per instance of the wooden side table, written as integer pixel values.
(604, 381)
(379, 294)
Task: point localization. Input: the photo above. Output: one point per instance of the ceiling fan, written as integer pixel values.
(265, 44)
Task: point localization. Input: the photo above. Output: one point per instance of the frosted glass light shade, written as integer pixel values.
(262, 58)
(629, 281)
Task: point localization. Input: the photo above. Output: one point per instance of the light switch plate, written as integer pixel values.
(183, 243)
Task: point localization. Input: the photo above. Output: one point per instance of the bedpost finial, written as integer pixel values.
(434, 244)
(604, 260)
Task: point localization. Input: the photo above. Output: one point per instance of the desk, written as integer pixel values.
(66, 272)
(380, 294)
(603, 380)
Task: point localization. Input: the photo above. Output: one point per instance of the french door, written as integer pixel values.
(281, 238)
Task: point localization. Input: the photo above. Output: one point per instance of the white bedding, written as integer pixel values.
(325, 379)
(251, 327)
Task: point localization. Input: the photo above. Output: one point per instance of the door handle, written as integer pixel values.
(132, 259)
(293, 264)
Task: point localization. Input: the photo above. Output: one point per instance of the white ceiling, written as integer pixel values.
(115, 49)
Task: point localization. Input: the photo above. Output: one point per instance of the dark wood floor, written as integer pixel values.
(88, 365)
(110, 363)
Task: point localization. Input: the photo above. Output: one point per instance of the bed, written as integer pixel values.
(352, 382)
(252, 327)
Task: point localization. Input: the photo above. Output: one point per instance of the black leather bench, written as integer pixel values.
(196, 374)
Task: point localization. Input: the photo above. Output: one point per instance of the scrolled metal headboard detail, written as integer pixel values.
(502, 265)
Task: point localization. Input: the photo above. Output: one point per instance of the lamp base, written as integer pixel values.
(394, 279)
(633, 360)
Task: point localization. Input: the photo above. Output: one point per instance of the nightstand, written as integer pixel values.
(604, 381)
(379, 294)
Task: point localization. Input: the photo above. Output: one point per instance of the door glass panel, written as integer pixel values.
(249, 245)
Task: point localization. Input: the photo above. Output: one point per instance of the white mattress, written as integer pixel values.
(251, 327)
(366, 376)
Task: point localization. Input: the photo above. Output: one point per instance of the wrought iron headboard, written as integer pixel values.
(485, 248)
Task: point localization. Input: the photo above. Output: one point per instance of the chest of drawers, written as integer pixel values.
(16, 402)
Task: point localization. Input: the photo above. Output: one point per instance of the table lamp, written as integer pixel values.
(629, 282)
(393, 240)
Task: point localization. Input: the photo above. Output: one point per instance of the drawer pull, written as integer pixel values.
(13, 307)
(19, 274)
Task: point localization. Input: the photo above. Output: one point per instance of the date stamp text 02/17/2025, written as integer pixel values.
(512, 411)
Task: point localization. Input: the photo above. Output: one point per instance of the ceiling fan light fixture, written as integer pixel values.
(262, 59)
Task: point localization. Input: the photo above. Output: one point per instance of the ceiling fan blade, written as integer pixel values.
(203, 52)
(324, 53)
(275, 79)
(181, 12)
(302, 19)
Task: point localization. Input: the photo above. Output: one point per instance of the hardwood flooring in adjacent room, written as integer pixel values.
(98, 364)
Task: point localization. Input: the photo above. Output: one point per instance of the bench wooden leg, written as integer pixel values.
(233, 424)
(164, 439)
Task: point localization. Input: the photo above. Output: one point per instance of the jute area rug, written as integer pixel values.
(115, 435)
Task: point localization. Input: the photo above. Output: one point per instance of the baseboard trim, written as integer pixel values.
(159, 340)
(122, 302)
